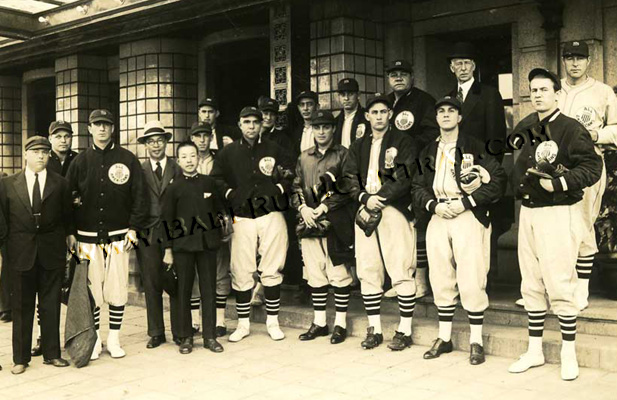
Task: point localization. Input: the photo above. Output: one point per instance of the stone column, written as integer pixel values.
(10, 124)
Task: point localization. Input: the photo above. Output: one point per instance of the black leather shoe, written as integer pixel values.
(36, 350)
(195, 330)
(372, 339)
(156, 341)
(213, 345)
(399, 341)
(57, 362)
(176, 340)
(476, 354)
(315, 331)
(186, 345)
(338, 335)
(439, 347)
(6, 316)
(221, 331)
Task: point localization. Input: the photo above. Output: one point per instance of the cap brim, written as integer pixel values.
(61, 129)
(143, 139)
(257, 115)
(200, 131)
(450, 103)
(38, 147)
(102, 119)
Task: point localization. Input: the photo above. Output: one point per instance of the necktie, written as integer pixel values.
(159, 170)
(37, 204)
(459, 95)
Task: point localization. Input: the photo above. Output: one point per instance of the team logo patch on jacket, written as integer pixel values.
(404, 120)
(390, 156)
(266, 165)
(586, 116)
(119, 174)
(547, 151)
(360, 131)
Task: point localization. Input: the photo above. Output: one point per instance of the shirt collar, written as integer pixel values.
(162, 161)
(30, 174)
(466, 86)
(110, 146)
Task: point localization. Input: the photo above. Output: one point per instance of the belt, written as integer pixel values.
(96, 234)
(448, 199)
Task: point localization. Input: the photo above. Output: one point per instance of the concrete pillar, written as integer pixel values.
(10, 124)
(81, 86)
(158, 80)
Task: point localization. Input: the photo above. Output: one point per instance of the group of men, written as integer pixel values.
(391, 187)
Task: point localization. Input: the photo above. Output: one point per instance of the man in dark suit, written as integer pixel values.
(208, 112)
(159, 171)
(36, 204)
(350, 123)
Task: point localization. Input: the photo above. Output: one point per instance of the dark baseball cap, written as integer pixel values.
(575, 48)
(462, 50)
(251, 112)
(348, 85)
(307, 94)
(267, 104)
(378, 98)
(200, 127)
(399, 65)
(101, 115)
(60, 126)
(37, 142)
(208, 101)
(323, 117)
(545, 73)
(449, 100)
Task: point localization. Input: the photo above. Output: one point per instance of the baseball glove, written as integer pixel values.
(305, 231)
(368, 220)
(546, 170)
(472, 178)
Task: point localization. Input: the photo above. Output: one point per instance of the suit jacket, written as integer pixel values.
(156, 189)
(24, 241)
(357, 131)
(483, 116)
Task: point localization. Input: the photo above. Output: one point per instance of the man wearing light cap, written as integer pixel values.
(208, 112)
(303, 139)
(350, 123)
(111, 207)
(37, 227)
(593, 104)
(556, 162)
(255, 175)
(378, 169)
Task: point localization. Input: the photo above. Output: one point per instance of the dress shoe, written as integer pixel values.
(240, 333)
(195, 329)
(274, 330)
(57, 362)
(7, 316)
(36, 350)
(186, 345)
(213, 345)
(400, 342)
(439, 347)
(372, 339)
(176, 340)
(19, 369)
(339, 335)
(526, 361)
(221, 331)
(156, 341)
(476, 354)
(314, 331)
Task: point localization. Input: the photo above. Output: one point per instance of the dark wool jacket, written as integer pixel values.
(422, 125)
(575, 152)
(478, 202)
(359, 126)
(56, 166)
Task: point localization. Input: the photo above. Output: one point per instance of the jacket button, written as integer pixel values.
(526, 173)
(521, 185)
(100, 222)
(102, 194)
(102, 166)
(100, 209)
(102, 180)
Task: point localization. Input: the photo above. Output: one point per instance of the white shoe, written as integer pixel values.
(526, 361)
(240, 333)
(113, 344)
(275, 332)
(98, 347)
(520, 302)
(390, 293)
(581, 294)
(569, 367)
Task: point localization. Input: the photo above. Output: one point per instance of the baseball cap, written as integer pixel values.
(101, 115)
(268, 104)
(201, 127)
(60, 125)
(399, 65)
(448, 100)
(378, 98)
(546, 74)
(37, 142)
(323, 117)
(208, 101)
(575, 48)
(250, 112)
(307, 94)
(348, 85)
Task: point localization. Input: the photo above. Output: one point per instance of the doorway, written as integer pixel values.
(41, 106)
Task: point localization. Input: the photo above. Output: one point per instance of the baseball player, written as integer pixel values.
(303, 138)
(208, 112)
(112, 205)
(269, 130)
(318, 209)
(350, 123)
(456, 190)
(550, 174)
(201, 135)
(255, 175)
(378, 171)
(593, 104)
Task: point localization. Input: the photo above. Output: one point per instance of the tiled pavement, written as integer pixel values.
(258, 368)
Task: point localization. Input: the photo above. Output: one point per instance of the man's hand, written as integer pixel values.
(308, 215)
(71, 243)
(319, 211)
(227, 140)
(375, 203)
(168, 258)
(130, 240)
(547, 185)
(456, 207)
(442, 210)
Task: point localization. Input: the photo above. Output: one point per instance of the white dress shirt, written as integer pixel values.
(163, 163)
(30, 178)
(466, 87)
(373, 183)
(308, 139)
(347, 125)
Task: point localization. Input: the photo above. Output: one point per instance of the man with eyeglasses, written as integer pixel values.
(159, 171)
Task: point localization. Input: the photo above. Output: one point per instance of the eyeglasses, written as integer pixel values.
(398, 74)
(155, 141)
(461, 63)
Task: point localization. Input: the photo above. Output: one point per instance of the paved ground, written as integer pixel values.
(258, 368)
